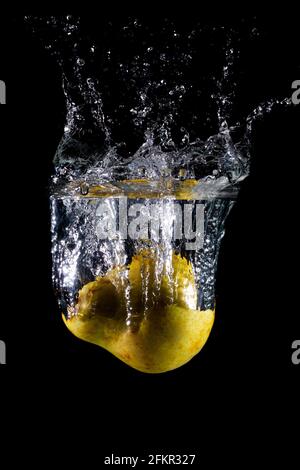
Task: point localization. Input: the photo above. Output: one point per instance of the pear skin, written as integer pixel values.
(152, 325)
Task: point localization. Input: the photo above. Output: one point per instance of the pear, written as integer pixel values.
(145, 313)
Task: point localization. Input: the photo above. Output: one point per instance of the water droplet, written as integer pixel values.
(84, 188)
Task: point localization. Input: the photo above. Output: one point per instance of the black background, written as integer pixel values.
(243, 379)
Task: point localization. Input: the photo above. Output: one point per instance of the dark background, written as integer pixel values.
(243, 379)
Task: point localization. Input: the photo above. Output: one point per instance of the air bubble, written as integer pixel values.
(84, 188)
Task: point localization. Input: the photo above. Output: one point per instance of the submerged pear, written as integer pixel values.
(145, 313)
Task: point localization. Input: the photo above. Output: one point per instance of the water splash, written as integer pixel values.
(145, 99)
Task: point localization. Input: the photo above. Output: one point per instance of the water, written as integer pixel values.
(146, 99)
(80, 255)
(151, 118)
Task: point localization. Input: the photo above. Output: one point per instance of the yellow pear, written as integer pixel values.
(145, 313)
